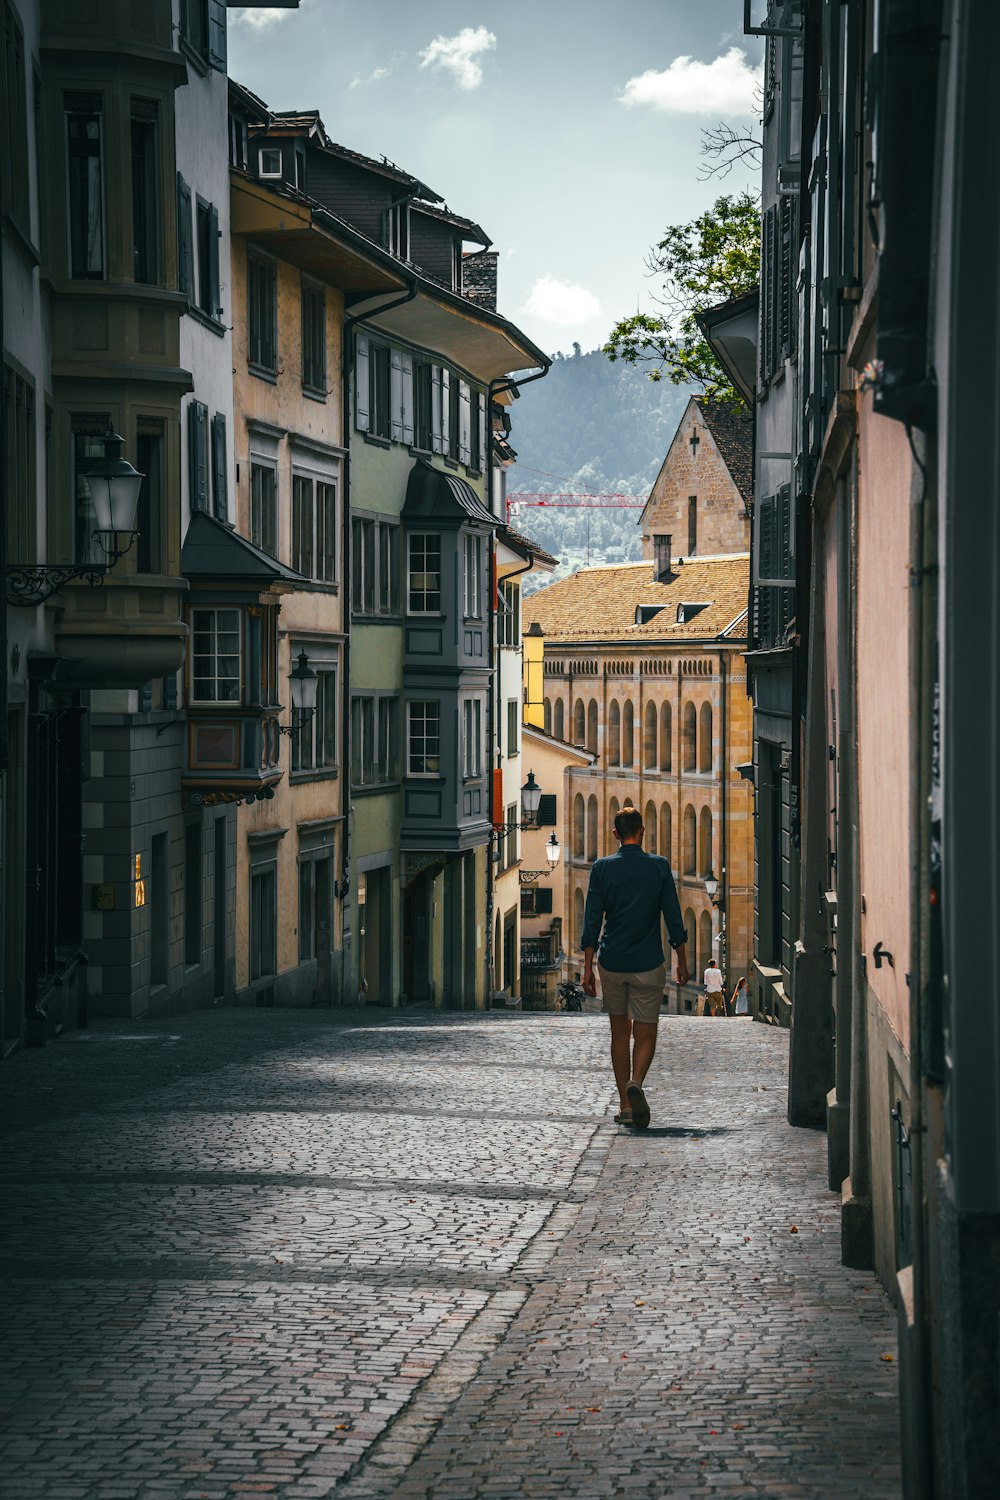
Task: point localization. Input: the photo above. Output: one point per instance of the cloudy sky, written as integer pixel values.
(569, 129)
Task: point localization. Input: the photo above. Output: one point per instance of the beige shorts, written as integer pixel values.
(638, 996)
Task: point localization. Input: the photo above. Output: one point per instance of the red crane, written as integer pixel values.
(570, 497)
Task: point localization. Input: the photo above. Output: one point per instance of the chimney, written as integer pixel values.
(479, 279)
(661, 558)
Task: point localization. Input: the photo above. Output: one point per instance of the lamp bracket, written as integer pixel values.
(31, 584)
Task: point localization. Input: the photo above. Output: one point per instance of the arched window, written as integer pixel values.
(692, 943)
(613, 811)
(666, 736)
(591, 827)
(558, 719)
(705, 841)
(649, 738)
(579, 850)
(547, 716)
(705, 738)
(628, 733)
(614, 734)
(649, 820)
(689, 751)
(592, 725)
(689, 851)
(579, 723)
(666, 841)
(705, 940)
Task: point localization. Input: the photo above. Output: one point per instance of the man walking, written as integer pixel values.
(629, 892)
(715, 1004)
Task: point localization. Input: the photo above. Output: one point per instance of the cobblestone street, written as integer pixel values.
(301, 1253)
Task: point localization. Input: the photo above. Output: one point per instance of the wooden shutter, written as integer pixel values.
(198, 455)
(217, 34)
(464, 422)
(396, 395)
(213, 261)
(183, 235)
(220, 479)
(362, 400)
(446, 379)
(439, 410)
(497, 813)
(785, 312)
(406, 417)
(543, 900)
(768, 247)
(547, 810)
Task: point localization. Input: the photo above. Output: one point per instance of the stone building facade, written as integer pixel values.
(647, 674)
(700, 499)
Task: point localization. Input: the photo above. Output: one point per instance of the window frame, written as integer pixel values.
(425, 611)
(261, 465)
(380, 712)
(262, 285)
(420, 739)
(15, 186)
(323, 756)
(473, 589)
(313, 310)
(216, 702)
(96, 111)
(472, 739)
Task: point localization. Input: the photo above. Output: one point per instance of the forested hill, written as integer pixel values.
(590, 426)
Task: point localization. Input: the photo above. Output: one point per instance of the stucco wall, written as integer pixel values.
(883, 706)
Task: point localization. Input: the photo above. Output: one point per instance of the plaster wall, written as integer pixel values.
(883, 706)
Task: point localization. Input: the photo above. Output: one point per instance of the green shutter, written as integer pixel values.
(361, 390)
(213, 262)
(217, 34)
(220, 484)
(543, 900)
(183, 235)
(198, 455)
(547, 810)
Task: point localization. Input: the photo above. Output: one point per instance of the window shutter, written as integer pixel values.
(406, 402)
(767, 292)
(786, 280)
(198, 455)
(220, 481)
(217, 34)
(439, 409)
(361, 390)
(213, 256)
(183, 235)
(547, 810)
(446, 379)
(543, 899)
(464, 422)
(479, 417)
(784, 532)
(396, 395)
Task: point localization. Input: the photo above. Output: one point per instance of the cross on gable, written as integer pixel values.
(694, 440)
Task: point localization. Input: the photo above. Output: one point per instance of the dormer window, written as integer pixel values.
(687, 611)
(397, 230)
(238, 152)
(269, 161)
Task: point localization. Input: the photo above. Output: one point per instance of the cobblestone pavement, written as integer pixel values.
(389, 1257)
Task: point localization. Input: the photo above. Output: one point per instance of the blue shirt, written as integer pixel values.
(630, 891)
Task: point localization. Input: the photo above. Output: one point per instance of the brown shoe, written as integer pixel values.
(640, 1109)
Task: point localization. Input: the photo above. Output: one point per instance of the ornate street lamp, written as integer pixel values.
(114, 487)
(711, 887)
(531, 796)
(553, 849)
(304, 687)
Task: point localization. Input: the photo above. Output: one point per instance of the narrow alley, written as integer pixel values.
(292, 1254)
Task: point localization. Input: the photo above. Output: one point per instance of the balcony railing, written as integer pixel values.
(544, 951)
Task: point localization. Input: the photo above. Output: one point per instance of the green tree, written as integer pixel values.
(708, 261)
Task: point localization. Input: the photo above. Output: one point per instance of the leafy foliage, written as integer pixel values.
(710, 260)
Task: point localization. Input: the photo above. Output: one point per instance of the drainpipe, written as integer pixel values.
(724, 880)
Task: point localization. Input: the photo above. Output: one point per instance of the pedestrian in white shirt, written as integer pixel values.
(715, 1005)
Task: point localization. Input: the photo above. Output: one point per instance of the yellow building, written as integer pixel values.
(644, 669)
(291, 267)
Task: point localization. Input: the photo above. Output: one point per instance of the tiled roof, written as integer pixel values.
(732, 429)
(599, 604)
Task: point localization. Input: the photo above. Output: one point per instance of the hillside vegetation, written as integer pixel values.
(594, 427)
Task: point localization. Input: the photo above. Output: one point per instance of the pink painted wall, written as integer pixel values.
(884, 704)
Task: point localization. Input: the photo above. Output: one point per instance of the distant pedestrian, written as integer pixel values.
(629, 892)
(715, 1001)
(740, 1003)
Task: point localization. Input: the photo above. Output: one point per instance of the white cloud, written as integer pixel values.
(561, 302)
(727, 86)
(460, 54)
(377, 74)
(260, 20)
